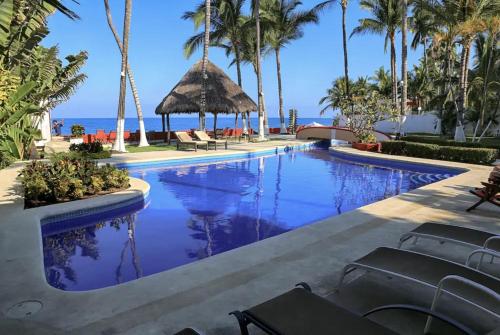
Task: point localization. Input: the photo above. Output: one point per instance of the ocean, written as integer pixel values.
(176, 123)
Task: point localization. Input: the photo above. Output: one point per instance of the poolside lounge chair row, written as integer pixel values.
(203, 140)
(301, 312)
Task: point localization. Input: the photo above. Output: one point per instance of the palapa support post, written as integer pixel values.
(169, 137)
(163, 127)
(215, 128)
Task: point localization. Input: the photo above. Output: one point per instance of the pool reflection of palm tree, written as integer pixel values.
(61, 246)
(130, 221)
(213, 199)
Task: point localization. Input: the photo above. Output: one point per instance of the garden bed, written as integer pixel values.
(67, 179)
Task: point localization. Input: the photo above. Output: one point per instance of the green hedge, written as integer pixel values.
(450, 143)
(434, 151)
(422, 150)
(393, 147)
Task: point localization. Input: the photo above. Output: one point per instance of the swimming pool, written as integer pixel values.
(197, 211)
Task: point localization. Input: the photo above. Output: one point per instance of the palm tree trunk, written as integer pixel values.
(260, 106)
(143, 142)
(119, 144)
(203, 102)
(240, 84)
(486, 76)
(462, 97)
(404, 56)
(394, 77)
(344, 45)
(280, 93)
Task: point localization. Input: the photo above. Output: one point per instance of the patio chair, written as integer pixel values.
(112, 136)
(203, 136)
(300, 312)
(489, 193)
(101, 136)
(426, 270)
(184, 139)
(469, 237)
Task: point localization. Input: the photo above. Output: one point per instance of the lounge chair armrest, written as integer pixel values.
(483, 252)
(422, 310)
(489, 240)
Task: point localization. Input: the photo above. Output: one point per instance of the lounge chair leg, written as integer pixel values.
(475, 205)
(242, 321)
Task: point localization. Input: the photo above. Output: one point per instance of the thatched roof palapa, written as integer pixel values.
(223, 95)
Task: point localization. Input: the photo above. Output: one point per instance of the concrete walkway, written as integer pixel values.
(201, 294)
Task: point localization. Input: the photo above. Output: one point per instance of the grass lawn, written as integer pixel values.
(152, 147)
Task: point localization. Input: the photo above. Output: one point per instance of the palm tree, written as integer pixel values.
(386, 19)
(485, 75)
(228, 24)
(119, 144)
(382, 81)
(343, 5)
(461, 21)
(404, 56)
(285, 24)
(143, 142)
(203, 102)
(334, 95)
(260, 93)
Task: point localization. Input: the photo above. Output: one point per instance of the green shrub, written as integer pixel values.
(113, 177)
(93, 147)
(393, 147)
(5, 160)
(77, 130)
(468, 155)
(422, 150)
(434, 151)
(67, 178)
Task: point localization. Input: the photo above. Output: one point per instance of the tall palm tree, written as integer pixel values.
(143, 142)
(404, 56)
(343, 5)
(285, 23)
(386, 19)
(228, 24)
(203, 102)
(260, 93)
(119, 144)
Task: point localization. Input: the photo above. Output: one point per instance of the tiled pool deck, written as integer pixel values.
(202, 293)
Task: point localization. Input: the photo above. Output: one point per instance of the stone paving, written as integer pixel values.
(201, 294)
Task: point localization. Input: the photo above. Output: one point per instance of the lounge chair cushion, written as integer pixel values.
(300, 312)
(462, 234)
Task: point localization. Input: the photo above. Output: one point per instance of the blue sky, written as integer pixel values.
(157, 34)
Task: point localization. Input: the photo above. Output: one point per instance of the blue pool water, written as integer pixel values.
(198, 211)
